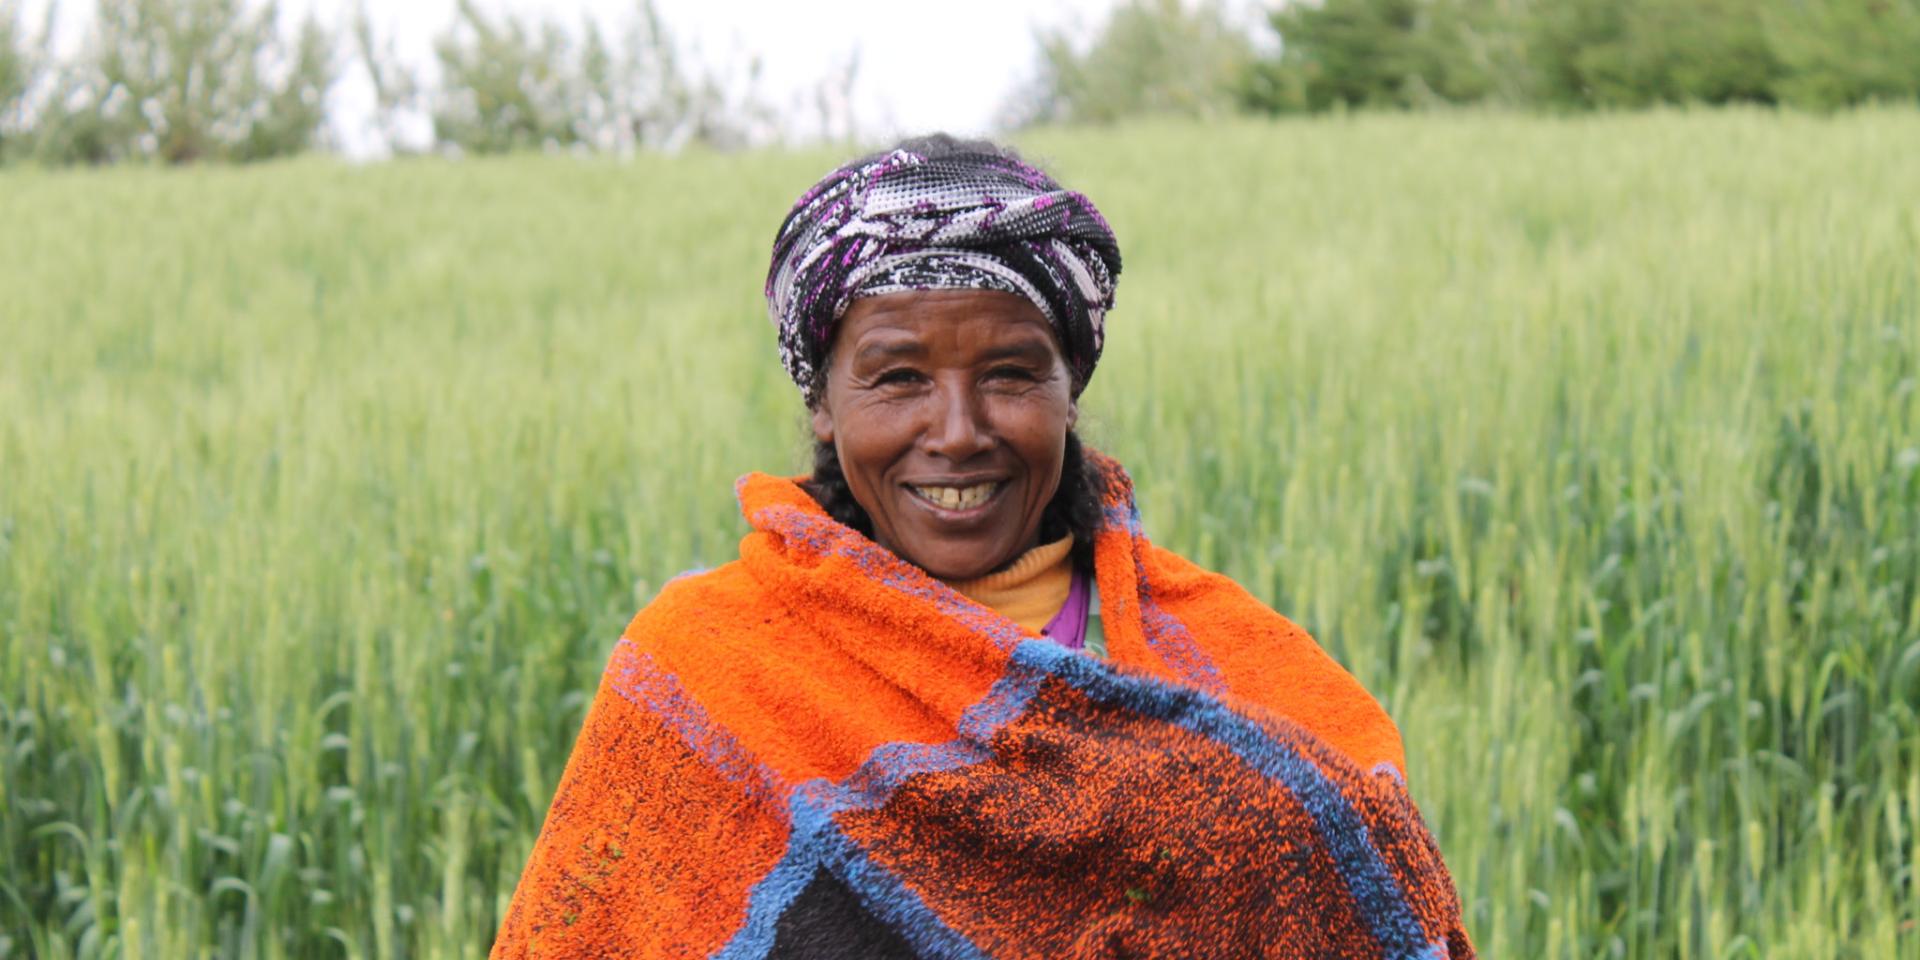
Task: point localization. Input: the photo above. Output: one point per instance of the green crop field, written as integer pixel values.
(1592, 445)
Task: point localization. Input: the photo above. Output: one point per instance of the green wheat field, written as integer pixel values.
(1591, 445)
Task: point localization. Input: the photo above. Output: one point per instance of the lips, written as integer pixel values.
(956, 496)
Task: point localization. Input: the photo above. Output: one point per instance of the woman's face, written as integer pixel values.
(950, 410)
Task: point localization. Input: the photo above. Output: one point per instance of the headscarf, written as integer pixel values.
(961, 220)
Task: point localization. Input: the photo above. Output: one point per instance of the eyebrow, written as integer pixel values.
(1030, 349)
(889, 350)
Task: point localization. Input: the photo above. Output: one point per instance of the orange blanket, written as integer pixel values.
(818, 750)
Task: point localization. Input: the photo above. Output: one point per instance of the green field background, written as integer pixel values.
(1588, 444)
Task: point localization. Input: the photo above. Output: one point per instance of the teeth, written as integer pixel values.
(957, 498)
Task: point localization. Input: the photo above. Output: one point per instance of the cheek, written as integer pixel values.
(1040, 437)
(1049, 474)
(868, 447)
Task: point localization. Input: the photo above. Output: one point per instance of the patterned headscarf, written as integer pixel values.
(954, 220)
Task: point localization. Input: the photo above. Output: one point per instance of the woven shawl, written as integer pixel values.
(817, 750)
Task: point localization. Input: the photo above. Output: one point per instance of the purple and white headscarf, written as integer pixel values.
(960, 220)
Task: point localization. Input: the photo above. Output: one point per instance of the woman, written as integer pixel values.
(949, 701)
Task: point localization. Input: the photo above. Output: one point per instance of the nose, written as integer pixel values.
(957, 427)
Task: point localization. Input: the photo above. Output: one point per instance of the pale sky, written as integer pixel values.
(922, 66)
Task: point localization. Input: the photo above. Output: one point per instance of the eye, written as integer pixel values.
(1020, 374)
(898, 375)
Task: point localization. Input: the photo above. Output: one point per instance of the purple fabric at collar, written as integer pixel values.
(1068, 628)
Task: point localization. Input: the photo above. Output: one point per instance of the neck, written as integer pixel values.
(1028, 591)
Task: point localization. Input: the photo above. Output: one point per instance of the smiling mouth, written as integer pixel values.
(957, 498)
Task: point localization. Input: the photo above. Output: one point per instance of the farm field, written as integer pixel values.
(1591, 445)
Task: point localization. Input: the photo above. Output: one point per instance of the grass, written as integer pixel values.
(1589, 444)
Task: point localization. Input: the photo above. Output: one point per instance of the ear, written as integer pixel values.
(822, 422)
(1073, 413)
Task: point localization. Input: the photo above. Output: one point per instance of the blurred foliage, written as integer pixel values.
(180, 81)
(16, 74)
(510, 84)
(1608, 53)
(1587, 53)
(1846, 51)
(1149, 57)
(176, 81)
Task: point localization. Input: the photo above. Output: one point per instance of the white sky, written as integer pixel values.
(922, 65)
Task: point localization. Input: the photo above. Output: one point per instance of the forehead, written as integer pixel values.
(943, 318)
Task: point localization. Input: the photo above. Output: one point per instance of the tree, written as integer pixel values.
(1631, 53)
(1840, 52)
(181, 81)
(1348, 53)
(1150, 57)
(25, 79)
(504, 84)
(1588, 53)
(16, 74)
(1396, 53)
(512, 84)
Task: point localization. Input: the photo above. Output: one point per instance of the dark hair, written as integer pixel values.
(1075, 509)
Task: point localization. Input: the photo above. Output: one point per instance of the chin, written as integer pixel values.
(943, 568)
(960, 561)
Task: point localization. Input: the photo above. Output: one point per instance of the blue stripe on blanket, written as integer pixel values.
(817, 843)
(640, 680)
(1380, 902)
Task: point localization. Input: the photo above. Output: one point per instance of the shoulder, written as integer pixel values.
(708, 608)
(1266, 658)
(726, 583)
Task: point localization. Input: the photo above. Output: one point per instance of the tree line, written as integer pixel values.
(1318, 55)
(178, 81)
